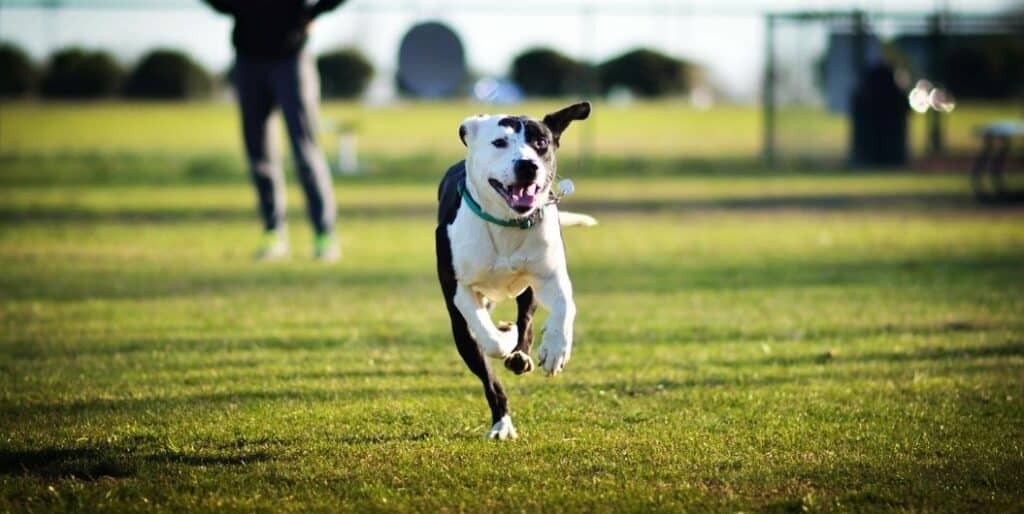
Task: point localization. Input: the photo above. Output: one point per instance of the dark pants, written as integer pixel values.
(293, 85)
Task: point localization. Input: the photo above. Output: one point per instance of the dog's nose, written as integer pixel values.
(526, 170)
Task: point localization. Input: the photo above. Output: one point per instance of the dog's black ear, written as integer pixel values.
(560, 120)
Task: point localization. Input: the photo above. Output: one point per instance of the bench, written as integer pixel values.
(991, 160)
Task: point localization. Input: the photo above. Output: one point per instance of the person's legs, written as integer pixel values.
(297, 90)
(256, 102)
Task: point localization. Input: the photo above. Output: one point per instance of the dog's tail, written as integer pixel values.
(572, 219)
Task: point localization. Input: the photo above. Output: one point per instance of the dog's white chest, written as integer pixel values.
(498, 285)
(496, 276)
(501, 267)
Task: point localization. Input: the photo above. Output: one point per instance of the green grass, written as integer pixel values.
(778, 354)
(658, 129)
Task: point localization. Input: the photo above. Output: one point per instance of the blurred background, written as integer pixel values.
(680, 85)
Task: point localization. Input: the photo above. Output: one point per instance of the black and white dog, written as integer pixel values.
(498, 237)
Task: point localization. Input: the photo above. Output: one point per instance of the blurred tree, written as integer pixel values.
(168, 74)
(344, 73)
(77, 73)
(646, 73)
(547, 73)
(17, 74)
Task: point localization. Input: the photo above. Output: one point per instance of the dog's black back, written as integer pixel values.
(448, 197)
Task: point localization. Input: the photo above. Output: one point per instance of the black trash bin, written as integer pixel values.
(879, 118)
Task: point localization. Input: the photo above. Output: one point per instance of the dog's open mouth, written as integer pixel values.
(519, 197)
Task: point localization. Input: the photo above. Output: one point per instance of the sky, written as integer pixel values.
(725, 36)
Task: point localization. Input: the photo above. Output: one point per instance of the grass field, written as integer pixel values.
(659, 129)
(770, 342)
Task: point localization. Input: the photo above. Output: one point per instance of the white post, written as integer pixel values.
(348, 158)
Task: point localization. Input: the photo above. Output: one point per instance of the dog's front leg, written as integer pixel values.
(555, 293)
(493, 342)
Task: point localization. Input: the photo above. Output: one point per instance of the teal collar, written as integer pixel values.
(523, 223)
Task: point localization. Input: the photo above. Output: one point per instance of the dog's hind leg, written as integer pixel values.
(520, 362)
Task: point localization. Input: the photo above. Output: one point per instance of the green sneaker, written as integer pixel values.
(273, 246)
(326, 248)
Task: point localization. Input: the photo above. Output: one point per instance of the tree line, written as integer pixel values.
(166, 74)
(161, 74)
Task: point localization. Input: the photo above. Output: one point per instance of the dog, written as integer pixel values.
(499, 236)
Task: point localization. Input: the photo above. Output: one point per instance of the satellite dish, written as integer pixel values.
(431, 61)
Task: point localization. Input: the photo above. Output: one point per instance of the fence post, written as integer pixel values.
(935, 69)
(860, 42)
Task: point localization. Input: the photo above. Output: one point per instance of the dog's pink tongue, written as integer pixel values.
(524, 196)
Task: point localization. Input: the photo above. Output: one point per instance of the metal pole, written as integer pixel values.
(768, 92)
(935, 143)
(860, 42)
(859, 154)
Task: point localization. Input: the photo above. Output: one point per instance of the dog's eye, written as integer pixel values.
(541, 143)
(499, 143)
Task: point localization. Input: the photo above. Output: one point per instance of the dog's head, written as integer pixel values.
(510, 163)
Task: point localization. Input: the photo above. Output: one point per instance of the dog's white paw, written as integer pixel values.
(502, 430)
(504, 343)
(553, 355)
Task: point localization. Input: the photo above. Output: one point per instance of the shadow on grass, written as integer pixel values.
(198, 459)
(77, 463)
(740, 383)
(84, 283)
(88, 464)
(703, 335)
(155, 168)
(174, 215)
(840, 360)
(201, 401)
(809, 202)
(1009, 349)
(375, 439)
(80, 284)
(671, 277)
(30, 351)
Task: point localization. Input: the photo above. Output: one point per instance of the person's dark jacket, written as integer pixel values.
(271, 28)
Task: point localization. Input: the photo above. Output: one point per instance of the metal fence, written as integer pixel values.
(814, 63)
